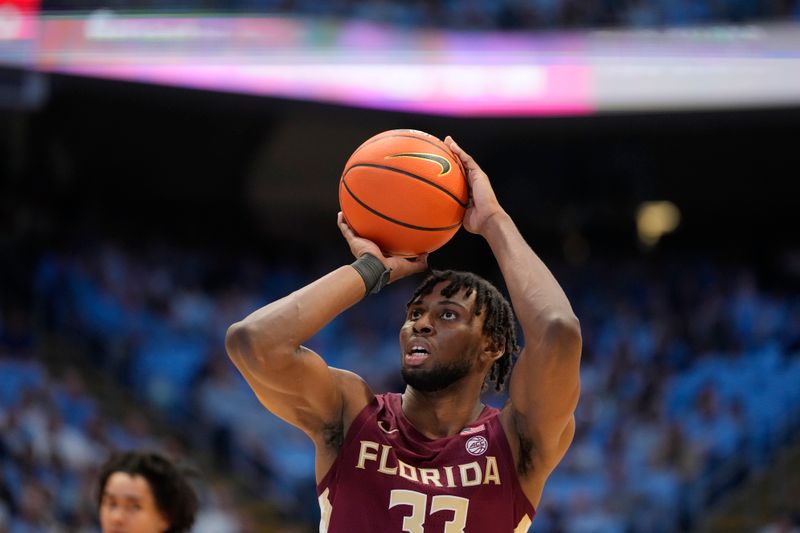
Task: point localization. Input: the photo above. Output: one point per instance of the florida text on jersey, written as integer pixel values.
(390, 478)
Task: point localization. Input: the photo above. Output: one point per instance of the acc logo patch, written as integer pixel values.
(477, 445)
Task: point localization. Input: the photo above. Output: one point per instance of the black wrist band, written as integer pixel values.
(372, 271)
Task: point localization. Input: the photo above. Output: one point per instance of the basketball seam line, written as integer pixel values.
(410, 175)
(390, 219)
(407, 136)
(446, 150)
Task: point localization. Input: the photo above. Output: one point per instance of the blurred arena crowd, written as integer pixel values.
(481, 14)
(690, 373)
(55, 431)
(689, 378)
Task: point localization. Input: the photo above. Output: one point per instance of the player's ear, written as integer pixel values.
(492, 351)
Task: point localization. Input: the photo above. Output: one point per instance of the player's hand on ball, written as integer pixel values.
(483, 203)
(400, 266)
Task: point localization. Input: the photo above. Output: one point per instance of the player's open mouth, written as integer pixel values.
(416, 355)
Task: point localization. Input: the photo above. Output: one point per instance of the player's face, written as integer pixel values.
(440, 340)
(128, 506)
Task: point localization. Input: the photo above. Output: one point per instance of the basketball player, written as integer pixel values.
(144, 493)
(433, 459)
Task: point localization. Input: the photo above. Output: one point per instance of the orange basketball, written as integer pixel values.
(405, 191)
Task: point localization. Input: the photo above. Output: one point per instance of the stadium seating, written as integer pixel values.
(688, 377)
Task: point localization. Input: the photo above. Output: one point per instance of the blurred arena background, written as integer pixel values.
(167, 167)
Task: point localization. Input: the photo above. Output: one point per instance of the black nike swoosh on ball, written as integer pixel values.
(441, 161)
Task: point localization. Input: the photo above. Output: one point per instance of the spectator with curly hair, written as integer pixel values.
(142, 492)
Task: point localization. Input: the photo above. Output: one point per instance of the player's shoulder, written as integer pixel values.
(349, 379)
(356, 393)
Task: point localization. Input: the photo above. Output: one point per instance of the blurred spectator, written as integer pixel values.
(52, 432)
(784, 523)
(144, 492)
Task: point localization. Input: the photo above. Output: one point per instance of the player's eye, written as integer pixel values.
(449, 315)
(414, 314)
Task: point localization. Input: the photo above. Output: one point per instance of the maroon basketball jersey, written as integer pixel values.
(390, 478)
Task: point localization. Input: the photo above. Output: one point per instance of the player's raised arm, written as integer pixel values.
(544, 385)
(290, 380)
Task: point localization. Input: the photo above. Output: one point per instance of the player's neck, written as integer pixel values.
(442, 413)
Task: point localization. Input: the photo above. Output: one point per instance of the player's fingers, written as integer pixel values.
(419, 263)
(404, 266)
(465, 157)
(422, 262)
(421, 258)
(347, 232)
(469, 163)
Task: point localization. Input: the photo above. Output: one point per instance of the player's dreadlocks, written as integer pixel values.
(498, 323)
